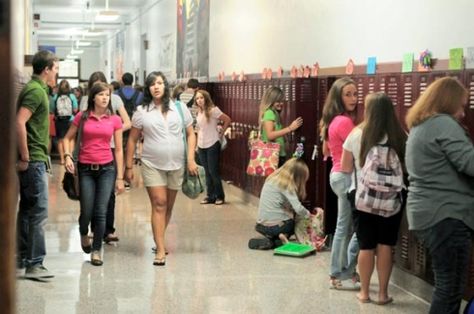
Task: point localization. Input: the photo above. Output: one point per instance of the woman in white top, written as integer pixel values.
(209, 146)
(163, 159)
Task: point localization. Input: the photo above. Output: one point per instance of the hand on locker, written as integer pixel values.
(296, 124)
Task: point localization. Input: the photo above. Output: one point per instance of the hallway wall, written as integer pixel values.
(250, 35)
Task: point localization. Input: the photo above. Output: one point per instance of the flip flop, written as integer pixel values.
(361, 300)
(384, 302)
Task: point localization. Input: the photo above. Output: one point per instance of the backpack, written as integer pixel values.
(380, 184)
(63, 106)
(310, 230)
(130, 104)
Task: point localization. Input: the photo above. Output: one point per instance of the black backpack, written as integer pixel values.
(129, 103)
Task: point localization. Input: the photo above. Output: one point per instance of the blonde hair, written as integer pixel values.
(334, 105)
(445, 95)
(292, 176)
(271, 96)
(208, 104)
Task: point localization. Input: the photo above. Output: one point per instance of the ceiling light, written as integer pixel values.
(107, 15)
(70, 57)
(83, 43)
(76, 52)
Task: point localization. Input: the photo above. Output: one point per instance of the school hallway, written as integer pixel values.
(209, 268)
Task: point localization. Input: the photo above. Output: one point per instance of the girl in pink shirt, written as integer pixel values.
(336, 124)
(209, 146)
(95, 166)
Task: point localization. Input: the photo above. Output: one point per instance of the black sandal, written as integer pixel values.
(159, 261)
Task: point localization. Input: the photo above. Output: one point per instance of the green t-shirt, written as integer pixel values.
(271, 115)
(34, 97)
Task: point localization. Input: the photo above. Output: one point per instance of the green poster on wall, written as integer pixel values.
(456, 58)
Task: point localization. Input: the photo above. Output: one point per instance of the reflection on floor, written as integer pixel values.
(209, 268)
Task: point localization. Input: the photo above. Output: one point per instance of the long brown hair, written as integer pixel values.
(208, 103)
(292, 176)
(380, 121)
(445, 95)
(333, 106)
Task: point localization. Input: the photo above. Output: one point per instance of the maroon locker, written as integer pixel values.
(469, 118)
(407, 96)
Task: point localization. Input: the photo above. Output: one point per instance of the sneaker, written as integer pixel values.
(38, 272)
(127, 186)
(20, 272)
(347, 284)
(260, 244)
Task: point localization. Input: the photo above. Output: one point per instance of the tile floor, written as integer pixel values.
(209, 268)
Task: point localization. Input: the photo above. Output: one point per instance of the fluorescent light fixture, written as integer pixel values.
(92, 33)
(76, 52)
(66, 32)
(107, 15)
(72, 57)
(83, 43)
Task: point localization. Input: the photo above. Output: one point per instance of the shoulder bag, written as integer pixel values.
(192, 185)
(71, 180)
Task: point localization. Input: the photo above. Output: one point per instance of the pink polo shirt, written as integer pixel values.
(96, 136)
(339, 129)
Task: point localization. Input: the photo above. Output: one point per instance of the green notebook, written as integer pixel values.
(294, 249)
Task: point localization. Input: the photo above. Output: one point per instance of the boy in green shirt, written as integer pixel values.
(32, 126)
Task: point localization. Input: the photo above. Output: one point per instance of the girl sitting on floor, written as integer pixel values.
(280, 199)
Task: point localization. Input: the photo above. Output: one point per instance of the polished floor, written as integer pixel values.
(209, 268)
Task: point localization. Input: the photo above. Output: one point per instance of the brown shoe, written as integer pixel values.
(111, 237)
(86, 244)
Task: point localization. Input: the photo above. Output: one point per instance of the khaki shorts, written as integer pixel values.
(172, 179)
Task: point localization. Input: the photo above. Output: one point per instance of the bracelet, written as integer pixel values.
(68, 155)
(128, 168)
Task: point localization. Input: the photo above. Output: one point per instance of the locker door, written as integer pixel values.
(407, 96)
(305, 100)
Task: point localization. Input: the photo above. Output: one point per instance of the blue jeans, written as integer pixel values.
(95, 187)
(449, 244)
(32, 215)
(343, 255)
(209, 158)
(286, 227)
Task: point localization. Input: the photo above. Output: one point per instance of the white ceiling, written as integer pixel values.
(62, 22)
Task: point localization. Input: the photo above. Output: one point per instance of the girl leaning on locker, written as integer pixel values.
(95, 167)
(336, 124)
(440, 164)
(377, 233)
(209, 145)
(272, 130)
